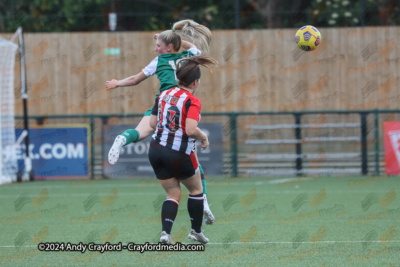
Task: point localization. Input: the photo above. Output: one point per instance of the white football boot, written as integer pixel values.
(113, 155)
(166, 238)
(200, 237)
(207, 215)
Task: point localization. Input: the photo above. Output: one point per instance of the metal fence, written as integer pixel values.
(248, 152)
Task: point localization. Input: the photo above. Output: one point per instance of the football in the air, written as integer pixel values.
(308, 38)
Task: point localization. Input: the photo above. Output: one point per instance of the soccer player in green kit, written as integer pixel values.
(168, 44)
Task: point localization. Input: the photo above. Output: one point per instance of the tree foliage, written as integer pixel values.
(142, 15)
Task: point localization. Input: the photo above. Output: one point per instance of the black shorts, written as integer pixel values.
(168, 163)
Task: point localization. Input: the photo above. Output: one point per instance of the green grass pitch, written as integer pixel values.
(329, 221)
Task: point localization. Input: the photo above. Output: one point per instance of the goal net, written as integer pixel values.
(8, 162)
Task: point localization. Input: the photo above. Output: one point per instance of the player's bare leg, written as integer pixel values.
(142, 131)
(207, 216)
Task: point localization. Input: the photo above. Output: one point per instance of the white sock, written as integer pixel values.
(205, 202)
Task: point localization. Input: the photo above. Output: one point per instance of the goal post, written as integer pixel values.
(8, 162)
(28, 172)
(9, 143)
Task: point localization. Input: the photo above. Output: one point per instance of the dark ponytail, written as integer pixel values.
(188, 71)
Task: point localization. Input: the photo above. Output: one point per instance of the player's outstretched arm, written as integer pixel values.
(130, 81)
(153, 121)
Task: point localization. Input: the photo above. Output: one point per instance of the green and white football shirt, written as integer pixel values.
(164, 67)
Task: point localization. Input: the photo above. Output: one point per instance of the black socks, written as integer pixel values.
(168, 214)
(195, 209)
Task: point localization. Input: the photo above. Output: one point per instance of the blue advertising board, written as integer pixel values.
(56, 152)
(134, 159)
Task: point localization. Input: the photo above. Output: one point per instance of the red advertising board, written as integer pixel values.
(392, 147)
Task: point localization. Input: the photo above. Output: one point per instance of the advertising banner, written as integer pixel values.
(56, 153)
(392, 147)
(134, 160)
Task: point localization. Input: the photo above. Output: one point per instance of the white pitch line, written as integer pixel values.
(256, 243)
(285, 180)
(78, 185)
(28, 246)
(305, 242)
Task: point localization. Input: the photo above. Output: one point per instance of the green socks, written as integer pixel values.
(203, 181)
(201, 171)
(131, 136)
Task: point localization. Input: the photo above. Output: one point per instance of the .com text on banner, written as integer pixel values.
(56, 153)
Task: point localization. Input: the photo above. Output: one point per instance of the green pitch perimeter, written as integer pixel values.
(259, 222)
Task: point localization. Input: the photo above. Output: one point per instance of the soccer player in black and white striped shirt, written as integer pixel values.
(175, 117)
(168, 44)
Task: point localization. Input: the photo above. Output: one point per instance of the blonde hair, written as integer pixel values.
(200, 35)
(170, 37)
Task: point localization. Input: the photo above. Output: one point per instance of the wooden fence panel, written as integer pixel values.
(260, 70)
